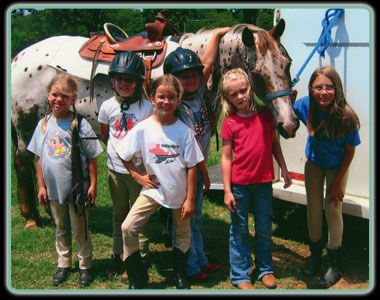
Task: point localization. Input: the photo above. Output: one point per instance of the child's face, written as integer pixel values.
(237, 92)
(125, 85)
(323, 91)
(165, 100)
(190, 80)
(60, 101)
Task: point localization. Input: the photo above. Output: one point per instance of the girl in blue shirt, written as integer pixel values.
(333, 129)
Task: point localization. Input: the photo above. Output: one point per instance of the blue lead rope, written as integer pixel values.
(324, 39)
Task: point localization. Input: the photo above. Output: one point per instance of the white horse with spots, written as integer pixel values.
(33, 68)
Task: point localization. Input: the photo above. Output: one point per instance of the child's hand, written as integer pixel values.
(287, 179)
(293, 96)
(335, 192)
(222, 31)
(206, 182)
(148, 181)
(92, 193)
(229, 201)
(187, 210)
(42, 197)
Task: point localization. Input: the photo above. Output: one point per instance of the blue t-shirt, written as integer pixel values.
(322, 150)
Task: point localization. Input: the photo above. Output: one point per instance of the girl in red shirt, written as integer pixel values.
(249, 141)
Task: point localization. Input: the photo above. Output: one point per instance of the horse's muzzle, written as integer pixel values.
(290, 131)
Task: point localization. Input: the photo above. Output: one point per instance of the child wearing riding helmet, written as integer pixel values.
(117, 116)
(194, 74)
(333, 128)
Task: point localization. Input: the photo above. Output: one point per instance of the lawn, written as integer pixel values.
(32, 259)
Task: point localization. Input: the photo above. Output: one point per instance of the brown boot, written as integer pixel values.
(115, 266)
(245, 286)
(269, 281)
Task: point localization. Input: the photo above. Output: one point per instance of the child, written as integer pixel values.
(193, 74)
(333, 134)
(170, 153)
(249, 140)
(117, 116)
(52, 144)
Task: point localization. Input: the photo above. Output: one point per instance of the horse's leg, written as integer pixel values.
(25, 172)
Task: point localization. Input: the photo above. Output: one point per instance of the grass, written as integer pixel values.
(33, 259)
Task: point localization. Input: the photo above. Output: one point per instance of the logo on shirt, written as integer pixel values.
(162, 156)
(58, 147)
(125, 122)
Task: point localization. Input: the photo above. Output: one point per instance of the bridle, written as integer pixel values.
(269, 97)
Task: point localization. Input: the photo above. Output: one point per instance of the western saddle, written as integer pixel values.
(150, 44)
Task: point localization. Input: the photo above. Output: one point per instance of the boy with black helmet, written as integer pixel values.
(193, 73)
(117, 116)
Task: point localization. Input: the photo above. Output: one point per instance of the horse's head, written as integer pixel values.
(268, 65)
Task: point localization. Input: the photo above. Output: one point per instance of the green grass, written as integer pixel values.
(33, 260)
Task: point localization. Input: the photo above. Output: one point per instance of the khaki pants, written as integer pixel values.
(139, 214)
(315, 178)
(66, 220)
(124, 192)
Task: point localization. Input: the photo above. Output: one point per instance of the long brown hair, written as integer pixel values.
(340, 117)
(69, 85)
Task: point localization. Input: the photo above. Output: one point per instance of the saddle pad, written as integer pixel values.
(69, 60)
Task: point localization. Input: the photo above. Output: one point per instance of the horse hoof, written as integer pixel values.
(30, 224)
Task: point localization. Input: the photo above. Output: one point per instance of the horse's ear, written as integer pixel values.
(278, 30)
(248, 38)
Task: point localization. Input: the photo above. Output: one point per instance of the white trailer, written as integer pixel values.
(351, 53)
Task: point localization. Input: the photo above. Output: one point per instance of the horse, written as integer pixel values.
(34, 67)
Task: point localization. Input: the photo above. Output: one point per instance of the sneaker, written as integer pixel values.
(116, 265)
(60, 276)
(200, 275)
(245, 286)
(85, 277)
(211, 267)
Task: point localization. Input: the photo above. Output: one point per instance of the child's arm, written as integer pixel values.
(104, 131)
(42, 193)
(204, 172)
(335, 189)
(93, 170)
(144, 180)
(189, 204)
(208, 58)
(277, 153)
(226, 162)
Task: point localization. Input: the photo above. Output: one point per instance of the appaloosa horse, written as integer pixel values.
(33, 68)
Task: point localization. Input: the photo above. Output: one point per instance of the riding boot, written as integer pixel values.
(180, 263)
(333, 273)
(136, 270)
(314, 260)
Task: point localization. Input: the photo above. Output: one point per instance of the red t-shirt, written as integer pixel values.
(252, 147)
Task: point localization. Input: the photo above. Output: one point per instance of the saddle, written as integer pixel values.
(150, 44)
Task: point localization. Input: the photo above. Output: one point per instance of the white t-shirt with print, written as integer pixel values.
(120, 123)
(167, 152)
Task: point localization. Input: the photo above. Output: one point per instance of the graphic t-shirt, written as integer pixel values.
(54, 150)
(120, 123)
(167, 152)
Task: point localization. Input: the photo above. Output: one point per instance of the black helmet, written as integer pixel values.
(128, 63)
(182, 59)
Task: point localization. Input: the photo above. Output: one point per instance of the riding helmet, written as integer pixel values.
(182, 59)
(128, 63)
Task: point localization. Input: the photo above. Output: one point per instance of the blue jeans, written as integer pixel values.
(196, 256)
(240, 250)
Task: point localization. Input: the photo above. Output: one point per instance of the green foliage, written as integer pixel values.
(29, 26)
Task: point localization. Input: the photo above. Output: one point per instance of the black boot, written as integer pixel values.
(333, 273)
(180, 262)
(136, 270)
(314, 260)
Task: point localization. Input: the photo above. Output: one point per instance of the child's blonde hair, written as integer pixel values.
(340, 117)
(67, 84)
(228, 108)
